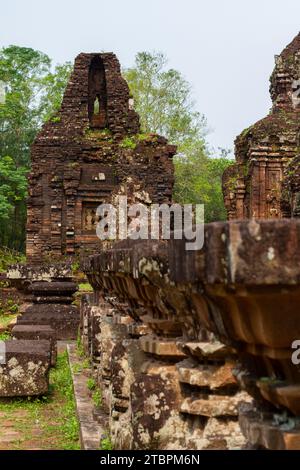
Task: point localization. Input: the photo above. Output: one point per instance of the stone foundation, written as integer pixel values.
(166, 381)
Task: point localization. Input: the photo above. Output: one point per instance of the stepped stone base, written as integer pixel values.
(30, 332)
(64, 319)
(26, 368)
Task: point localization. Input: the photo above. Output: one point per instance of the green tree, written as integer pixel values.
(199, 181)
(13, 191)
(163, 99)
(54, 86)
(23, 71)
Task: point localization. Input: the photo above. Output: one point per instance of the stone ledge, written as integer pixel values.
(215, 377)
(160, 347)
(214, 405)
(91, 432)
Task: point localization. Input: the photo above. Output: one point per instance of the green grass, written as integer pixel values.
(5, 319)
(80, 366)
(8, 311)
(9, 257)
(10, 306)
(79, 346)
(128, 143)
(54, 414)
(61, 381)
(103, 134)
(55, 119)
(75, 267)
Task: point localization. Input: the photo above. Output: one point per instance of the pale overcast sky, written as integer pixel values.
(224, 48)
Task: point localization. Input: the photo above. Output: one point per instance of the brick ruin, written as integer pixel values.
(166, 381)
(207, 336)
(89, 153)
(252, 187)
(190, 349)
(169, 325)
(92, 148)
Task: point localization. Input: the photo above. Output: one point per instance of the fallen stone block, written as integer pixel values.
(37, 332)
(25, 371)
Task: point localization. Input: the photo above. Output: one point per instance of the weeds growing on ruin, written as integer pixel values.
(97, 398)
(106, 444)
(91, 384)
(5, 336)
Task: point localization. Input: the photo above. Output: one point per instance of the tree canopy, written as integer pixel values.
(163, 99)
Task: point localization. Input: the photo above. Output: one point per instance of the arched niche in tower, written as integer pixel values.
(97, 105)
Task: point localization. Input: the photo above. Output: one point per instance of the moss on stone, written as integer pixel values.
(128, 142)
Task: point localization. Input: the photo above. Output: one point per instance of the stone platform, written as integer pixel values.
(37, 332)
(63, 319)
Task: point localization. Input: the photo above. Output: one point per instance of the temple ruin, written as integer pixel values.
(252, 187)
(92, 148)
(190, 349)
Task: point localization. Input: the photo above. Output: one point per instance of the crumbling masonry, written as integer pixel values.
(191, 349)
(253, 186)
(167, 324)
(92, 148)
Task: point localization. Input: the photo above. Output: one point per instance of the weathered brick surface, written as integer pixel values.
(252, 186)
(173, 386)
(82, 155)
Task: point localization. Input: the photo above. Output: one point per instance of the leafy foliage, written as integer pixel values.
(199, 181)
(23, 70)
(13, 191)
(97, 398)
(55, 84)
(163, 99)
(9, 257)
(5, 336)
(91, 384)
(106, 443)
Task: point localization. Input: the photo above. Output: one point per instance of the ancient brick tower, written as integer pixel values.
(252, 187)
(89, 150)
